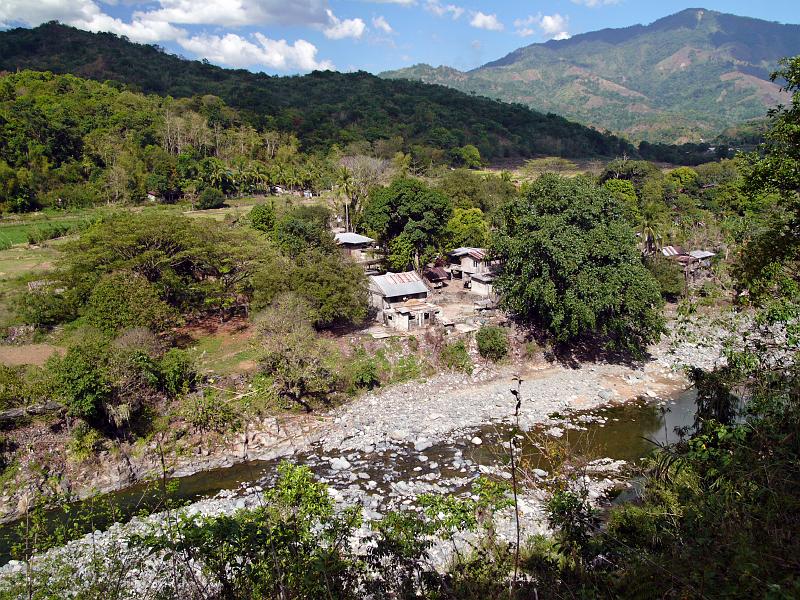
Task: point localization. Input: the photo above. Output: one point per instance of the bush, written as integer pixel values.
(206, 412)
(177, 372)
(455, 357)
(492, 342)
(262, 217)
(210, 198)
(123, 300)
(669, 276)
(81, 382)
(37, 235)
(83, 442)
(47, 307)
(12, 387)
(363, 372)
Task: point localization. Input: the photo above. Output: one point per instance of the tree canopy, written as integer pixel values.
(571, 265)
(408, 218)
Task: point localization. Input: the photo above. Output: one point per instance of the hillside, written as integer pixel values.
(322, 108)
(682, 78)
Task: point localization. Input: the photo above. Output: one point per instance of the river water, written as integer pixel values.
(627, 431)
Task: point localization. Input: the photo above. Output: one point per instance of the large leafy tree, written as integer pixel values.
(769, 266)
(408, 218)
(192, 265)
(571, 265)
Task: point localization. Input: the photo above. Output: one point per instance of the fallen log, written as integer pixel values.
(27, 411)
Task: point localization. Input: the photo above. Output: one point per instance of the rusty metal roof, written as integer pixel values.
(393, 285)
(476, 253)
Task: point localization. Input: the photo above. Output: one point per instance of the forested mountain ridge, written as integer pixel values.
(682, 78)
(322, 108)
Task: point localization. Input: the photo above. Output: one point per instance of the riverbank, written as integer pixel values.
(423, 413)
(385, 449)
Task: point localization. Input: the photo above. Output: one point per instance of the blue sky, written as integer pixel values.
(295, 36)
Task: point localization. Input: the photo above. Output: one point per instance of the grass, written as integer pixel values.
(18, 266)
(224, 353)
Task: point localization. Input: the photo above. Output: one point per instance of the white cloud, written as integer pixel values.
(86, 14)
(236, 51)
(595, 3)
(382, 24)
(229, 49)
(484, 21)
(340, 29)
(554, 26)
(441, 10)
(242, 12)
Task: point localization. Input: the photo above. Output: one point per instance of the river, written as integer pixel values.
(626, 431)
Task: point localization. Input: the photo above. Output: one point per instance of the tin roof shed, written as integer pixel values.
(393, 285)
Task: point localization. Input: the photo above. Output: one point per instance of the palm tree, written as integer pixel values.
(345, 185)
(652, 227)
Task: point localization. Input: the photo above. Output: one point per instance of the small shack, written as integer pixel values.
(436, 276)
(401, 300)
(482, 284)
(694, 263)
(354, 245)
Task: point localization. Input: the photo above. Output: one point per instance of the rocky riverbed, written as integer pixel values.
(386, 448)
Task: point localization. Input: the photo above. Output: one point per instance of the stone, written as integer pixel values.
(398, 435)
(476, 441)
(340, 464)
(421, 445)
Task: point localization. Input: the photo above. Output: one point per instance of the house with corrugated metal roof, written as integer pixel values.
(358, 247)
(466, 262)
(402, 301)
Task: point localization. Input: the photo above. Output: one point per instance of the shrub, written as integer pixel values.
(123, 300)
(47, 307)
(492, 342)
(262, 217)
(206, 412)
(669, 276)
(81, 381)
(37, 235)
(210, 198)
(407, 368)
(363, 371)
(12, 387)
(84, 441)
(177, 372)
(455, 357)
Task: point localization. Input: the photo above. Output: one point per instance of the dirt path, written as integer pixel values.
(28, 354)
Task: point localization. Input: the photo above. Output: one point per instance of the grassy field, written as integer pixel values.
(18, 266)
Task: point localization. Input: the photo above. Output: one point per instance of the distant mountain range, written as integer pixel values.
(322, 108)
(682, 78)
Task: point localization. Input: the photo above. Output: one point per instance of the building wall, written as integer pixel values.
(481, 289)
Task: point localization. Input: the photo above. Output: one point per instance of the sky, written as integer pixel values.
(297, 36)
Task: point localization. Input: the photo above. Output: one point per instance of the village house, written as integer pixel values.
(437, 277)
(355, 245)
(466, 262)
(482, 284)
(401, 301)
(694, 263)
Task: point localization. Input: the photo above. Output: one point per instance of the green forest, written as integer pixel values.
(322, 108)
(168, 251)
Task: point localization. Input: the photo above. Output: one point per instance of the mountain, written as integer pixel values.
(684, 77)
(322, 108)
